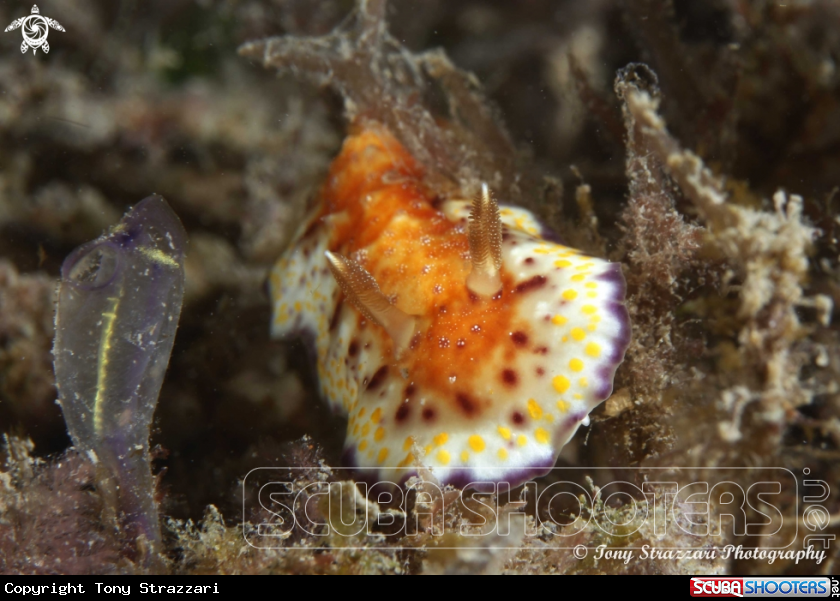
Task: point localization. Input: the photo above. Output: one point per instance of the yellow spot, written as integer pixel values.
(578, 334)
(504, 432)
(549, 417)
(590, 285)
(541, 435)
(465, 456)
(591, 295)
(583, 267)
(441, 439)
(356, 430)
(379, 434)
(409, 459)
(383, 455)
(595, 319)
(562, 263)
(503, 454)
(579, 277)
(298, 307)
(363, 445)
(570, 294)
(577, 396)
(589, 309)
(443, 457)
(565, 339)
(476, 443)
(559, 320)
(534, 409)
(427, 450)
(542, 251)
(591, 327)
(362, 412)
(583, 383)
(576, 365)
(365, 429)
(593, 350)
(521, 440)
(562, 405)
(561, 383)
(408, 442)
(376, 415)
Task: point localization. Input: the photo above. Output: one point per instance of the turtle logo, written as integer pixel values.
(35, 29)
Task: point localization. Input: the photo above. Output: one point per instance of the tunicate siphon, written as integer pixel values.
(119, 302)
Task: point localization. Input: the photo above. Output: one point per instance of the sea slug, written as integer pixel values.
(443, 327)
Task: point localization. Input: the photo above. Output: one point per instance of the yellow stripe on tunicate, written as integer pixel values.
(588, 309)
(158, 256)
(570, 294)
(465, 456)
(105, 340)
(561, 383)
(559, 320)
(383, 455)
(593, 350)
(476, 443)
(534, 409)
(441, 438)
(503, 454)
(504, 432)
(576, 365)
(376, 415)
(578, 334)
(363, 445)
(379, 434)
(443, 457)
(562, 405)
(541, 435)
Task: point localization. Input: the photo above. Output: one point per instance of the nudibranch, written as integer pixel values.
(447, 328)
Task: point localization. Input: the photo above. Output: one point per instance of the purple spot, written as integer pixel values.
(402, 413)
(517, 418)
(378, 377)
(428, 414)
(529, 261)
(353, 349)
(466, 403)
(509, 377)
(519, 338)
(536, 282)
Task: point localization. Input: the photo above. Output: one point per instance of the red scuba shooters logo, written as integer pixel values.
(717, 587)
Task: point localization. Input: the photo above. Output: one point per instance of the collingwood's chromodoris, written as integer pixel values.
(446, 328)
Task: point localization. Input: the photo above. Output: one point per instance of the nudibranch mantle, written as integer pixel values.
(490, 388)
